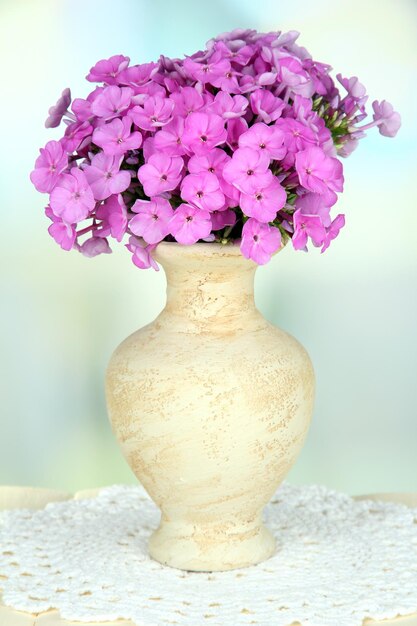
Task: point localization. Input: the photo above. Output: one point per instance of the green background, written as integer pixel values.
(353, 308)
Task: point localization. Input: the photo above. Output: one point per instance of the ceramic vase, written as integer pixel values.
(211, 405)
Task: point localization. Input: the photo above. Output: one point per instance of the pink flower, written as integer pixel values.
(187, 101)
(82, 108)
(318, 172)
(266, 105)
(94, 246)
(264, 202)
(235, 128)
(212, 162)
(115, 137)
(207, 71)
(137, 75)
(203, 132)
(248, 170)
(306, 226)
(111, 102)
(221, 219)
(49, 166)
(189, 224)
(58, 110)
(106, 71)
(228, 106)
(259, 241)
(161, 173)
(314, 204)
(388, 120)
(114, 215)
(152, 221)
(72, 198)
(64, 234)
(105, 177)
(169, 139)
(203, 191)
(75, 135)
(333, 230)
(297, 136)
(263, 137)
(142, 254)
(155, 112)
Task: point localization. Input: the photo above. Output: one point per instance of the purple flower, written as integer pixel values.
(107, 70)
(266, 105)
(111, 102)
(263, 137)
(142, 254)
(306, 226)
(203, 132)
(63, 233)
(221, 219)
(58, 110)
(161, 173)
(115, 137)
(264, 202)
(387, 120)
(152, 221)
(94, 246)
(248, 170)
(259, 241)
(137, 75)
(105, 177)
(75, 135)
(72, 198)
(235, 128)
(318, 172)
(189, 224)
(155, 112)
(49, 166)
(113, 214)
(207, 71)
(203, 191)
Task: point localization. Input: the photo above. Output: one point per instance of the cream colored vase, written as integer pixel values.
(210, 404)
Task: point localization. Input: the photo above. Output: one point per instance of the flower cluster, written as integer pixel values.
(238, 143)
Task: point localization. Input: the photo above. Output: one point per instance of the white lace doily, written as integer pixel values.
(338, 562)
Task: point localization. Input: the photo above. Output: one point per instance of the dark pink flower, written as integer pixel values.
(58, 110)
(263, 137)
(161, 173)
(203, 132)
(259, 241)
(266, 105)
(63, 233)
(189, 224)
(306, 226)
(105, 177)
(49, 166)
(264, 202)
(114, 215)
(318, 172)
(142, 254)
(235, 128)
(203, 191)
(248, 170)
(152, 221)
(115, 137)
(107, 70)
(72, 198)
(111, 102)
(155, 112)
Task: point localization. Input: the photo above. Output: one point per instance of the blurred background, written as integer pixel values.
(353, 308)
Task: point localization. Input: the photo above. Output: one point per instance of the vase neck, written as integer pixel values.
(209, 289)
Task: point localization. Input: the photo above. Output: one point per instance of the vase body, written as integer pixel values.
(211, 405)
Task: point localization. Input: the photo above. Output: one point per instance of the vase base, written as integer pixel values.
(200, 550)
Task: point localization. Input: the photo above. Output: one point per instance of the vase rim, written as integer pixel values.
(165, 250)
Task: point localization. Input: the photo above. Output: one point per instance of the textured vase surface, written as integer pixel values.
(211, 405)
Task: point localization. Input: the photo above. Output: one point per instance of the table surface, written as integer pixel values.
(34, 498)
